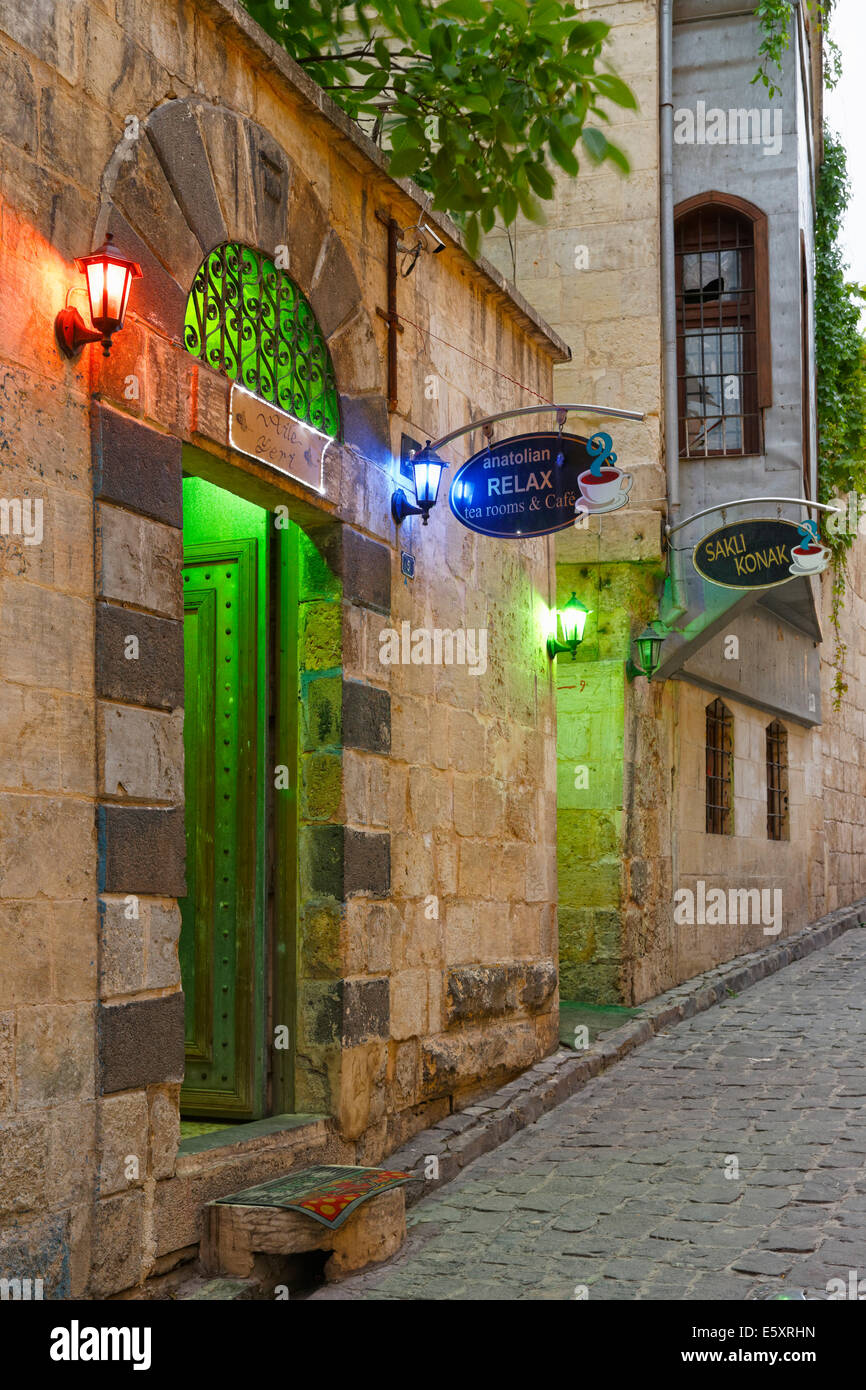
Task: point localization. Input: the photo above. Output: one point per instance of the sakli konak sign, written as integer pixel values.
(760, 553)
(533, 484)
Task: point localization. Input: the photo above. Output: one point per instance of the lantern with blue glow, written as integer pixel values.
(427, 468)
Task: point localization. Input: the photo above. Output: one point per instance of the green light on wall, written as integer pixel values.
(572, 621)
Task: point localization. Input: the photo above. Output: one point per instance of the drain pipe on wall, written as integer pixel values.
(676, 604)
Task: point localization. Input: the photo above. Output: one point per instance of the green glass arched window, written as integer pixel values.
(248, 320)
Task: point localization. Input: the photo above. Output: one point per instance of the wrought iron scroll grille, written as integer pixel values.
(249, 321)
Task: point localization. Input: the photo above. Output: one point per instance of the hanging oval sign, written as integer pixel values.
(533, 484)
(760, 553)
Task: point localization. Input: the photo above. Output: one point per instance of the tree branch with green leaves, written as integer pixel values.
(476, 100)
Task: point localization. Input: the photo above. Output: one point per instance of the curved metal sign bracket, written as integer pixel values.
(750, 502)
(561, 412)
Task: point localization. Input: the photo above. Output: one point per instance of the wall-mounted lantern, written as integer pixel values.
(572, 621)
(427, 468)
(649, 645)
(109, 277)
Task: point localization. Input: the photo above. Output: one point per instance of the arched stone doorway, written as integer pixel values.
(194, 178)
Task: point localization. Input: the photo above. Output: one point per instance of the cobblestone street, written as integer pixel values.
(623, 1189)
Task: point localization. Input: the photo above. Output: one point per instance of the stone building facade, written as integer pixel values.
(634, 834)
(398, 952)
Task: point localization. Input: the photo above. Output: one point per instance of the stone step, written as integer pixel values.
(243, 1228)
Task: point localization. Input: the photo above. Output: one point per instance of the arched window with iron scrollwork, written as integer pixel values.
(249, 321)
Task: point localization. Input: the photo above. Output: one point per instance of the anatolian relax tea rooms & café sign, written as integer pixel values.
(533, 484)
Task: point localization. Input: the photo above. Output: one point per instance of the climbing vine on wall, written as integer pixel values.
(840, 353)
(774, 18)
(840, 348)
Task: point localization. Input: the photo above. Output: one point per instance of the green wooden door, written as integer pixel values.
(222, 944)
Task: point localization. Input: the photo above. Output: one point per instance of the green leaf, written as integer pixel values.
(529, 207)
(461, 9)
(563, 154)
(494, 85)
(514, 11)
(541, 180)
(476, 103)
(441, 44)
(618, 157)
(377, 82)
(383, 54)
(596, 143)
(400, 137)
(473, 234)
(443, 163)
(616, 90)
(587, 34)
(406, 162)
(544, 10)
(410, 13)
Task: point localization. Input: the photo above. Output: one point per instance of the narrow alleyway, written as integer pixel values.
(624, 1192)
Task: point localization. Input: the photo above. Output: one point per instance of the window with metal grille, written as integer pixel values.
(248, 320)
(777, 782)
(722, 333)
(720, 759)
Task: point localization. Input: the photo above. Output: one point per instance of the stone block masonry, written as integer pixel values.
(632, 760)
(425, 798)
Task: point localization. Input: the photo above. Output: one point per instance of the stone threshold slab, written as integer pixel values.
(465, 1135)
(241, 1138)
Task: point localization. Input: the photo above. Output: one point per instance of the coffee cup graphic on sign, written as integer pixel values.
(810, 556)
(603, 487)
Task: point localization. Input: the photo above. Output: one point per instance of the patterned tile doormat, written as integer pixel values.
(328, 1194)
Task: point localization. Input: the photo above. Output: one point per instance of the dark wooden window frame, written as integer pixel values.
(778, 825)
(719, 769)
(758, 347)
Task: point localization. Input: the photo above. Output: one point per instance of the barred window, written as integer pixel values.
(248, 320)
(777, 782)
(720, 760)
(722, 336)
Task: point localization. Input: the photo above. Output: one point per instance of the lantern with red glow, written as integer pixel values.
(109, 277)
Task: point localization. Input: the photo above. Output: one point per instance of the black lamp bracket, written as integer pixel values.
(401, 507)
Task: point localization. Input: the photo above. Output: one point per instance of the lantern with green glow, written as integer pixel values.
(572, 621)
(649, 645)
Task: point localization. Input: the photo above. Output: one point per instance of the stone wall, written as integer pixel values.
(593, 270)
(428, 931)
(837, 771)
(634, 835)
